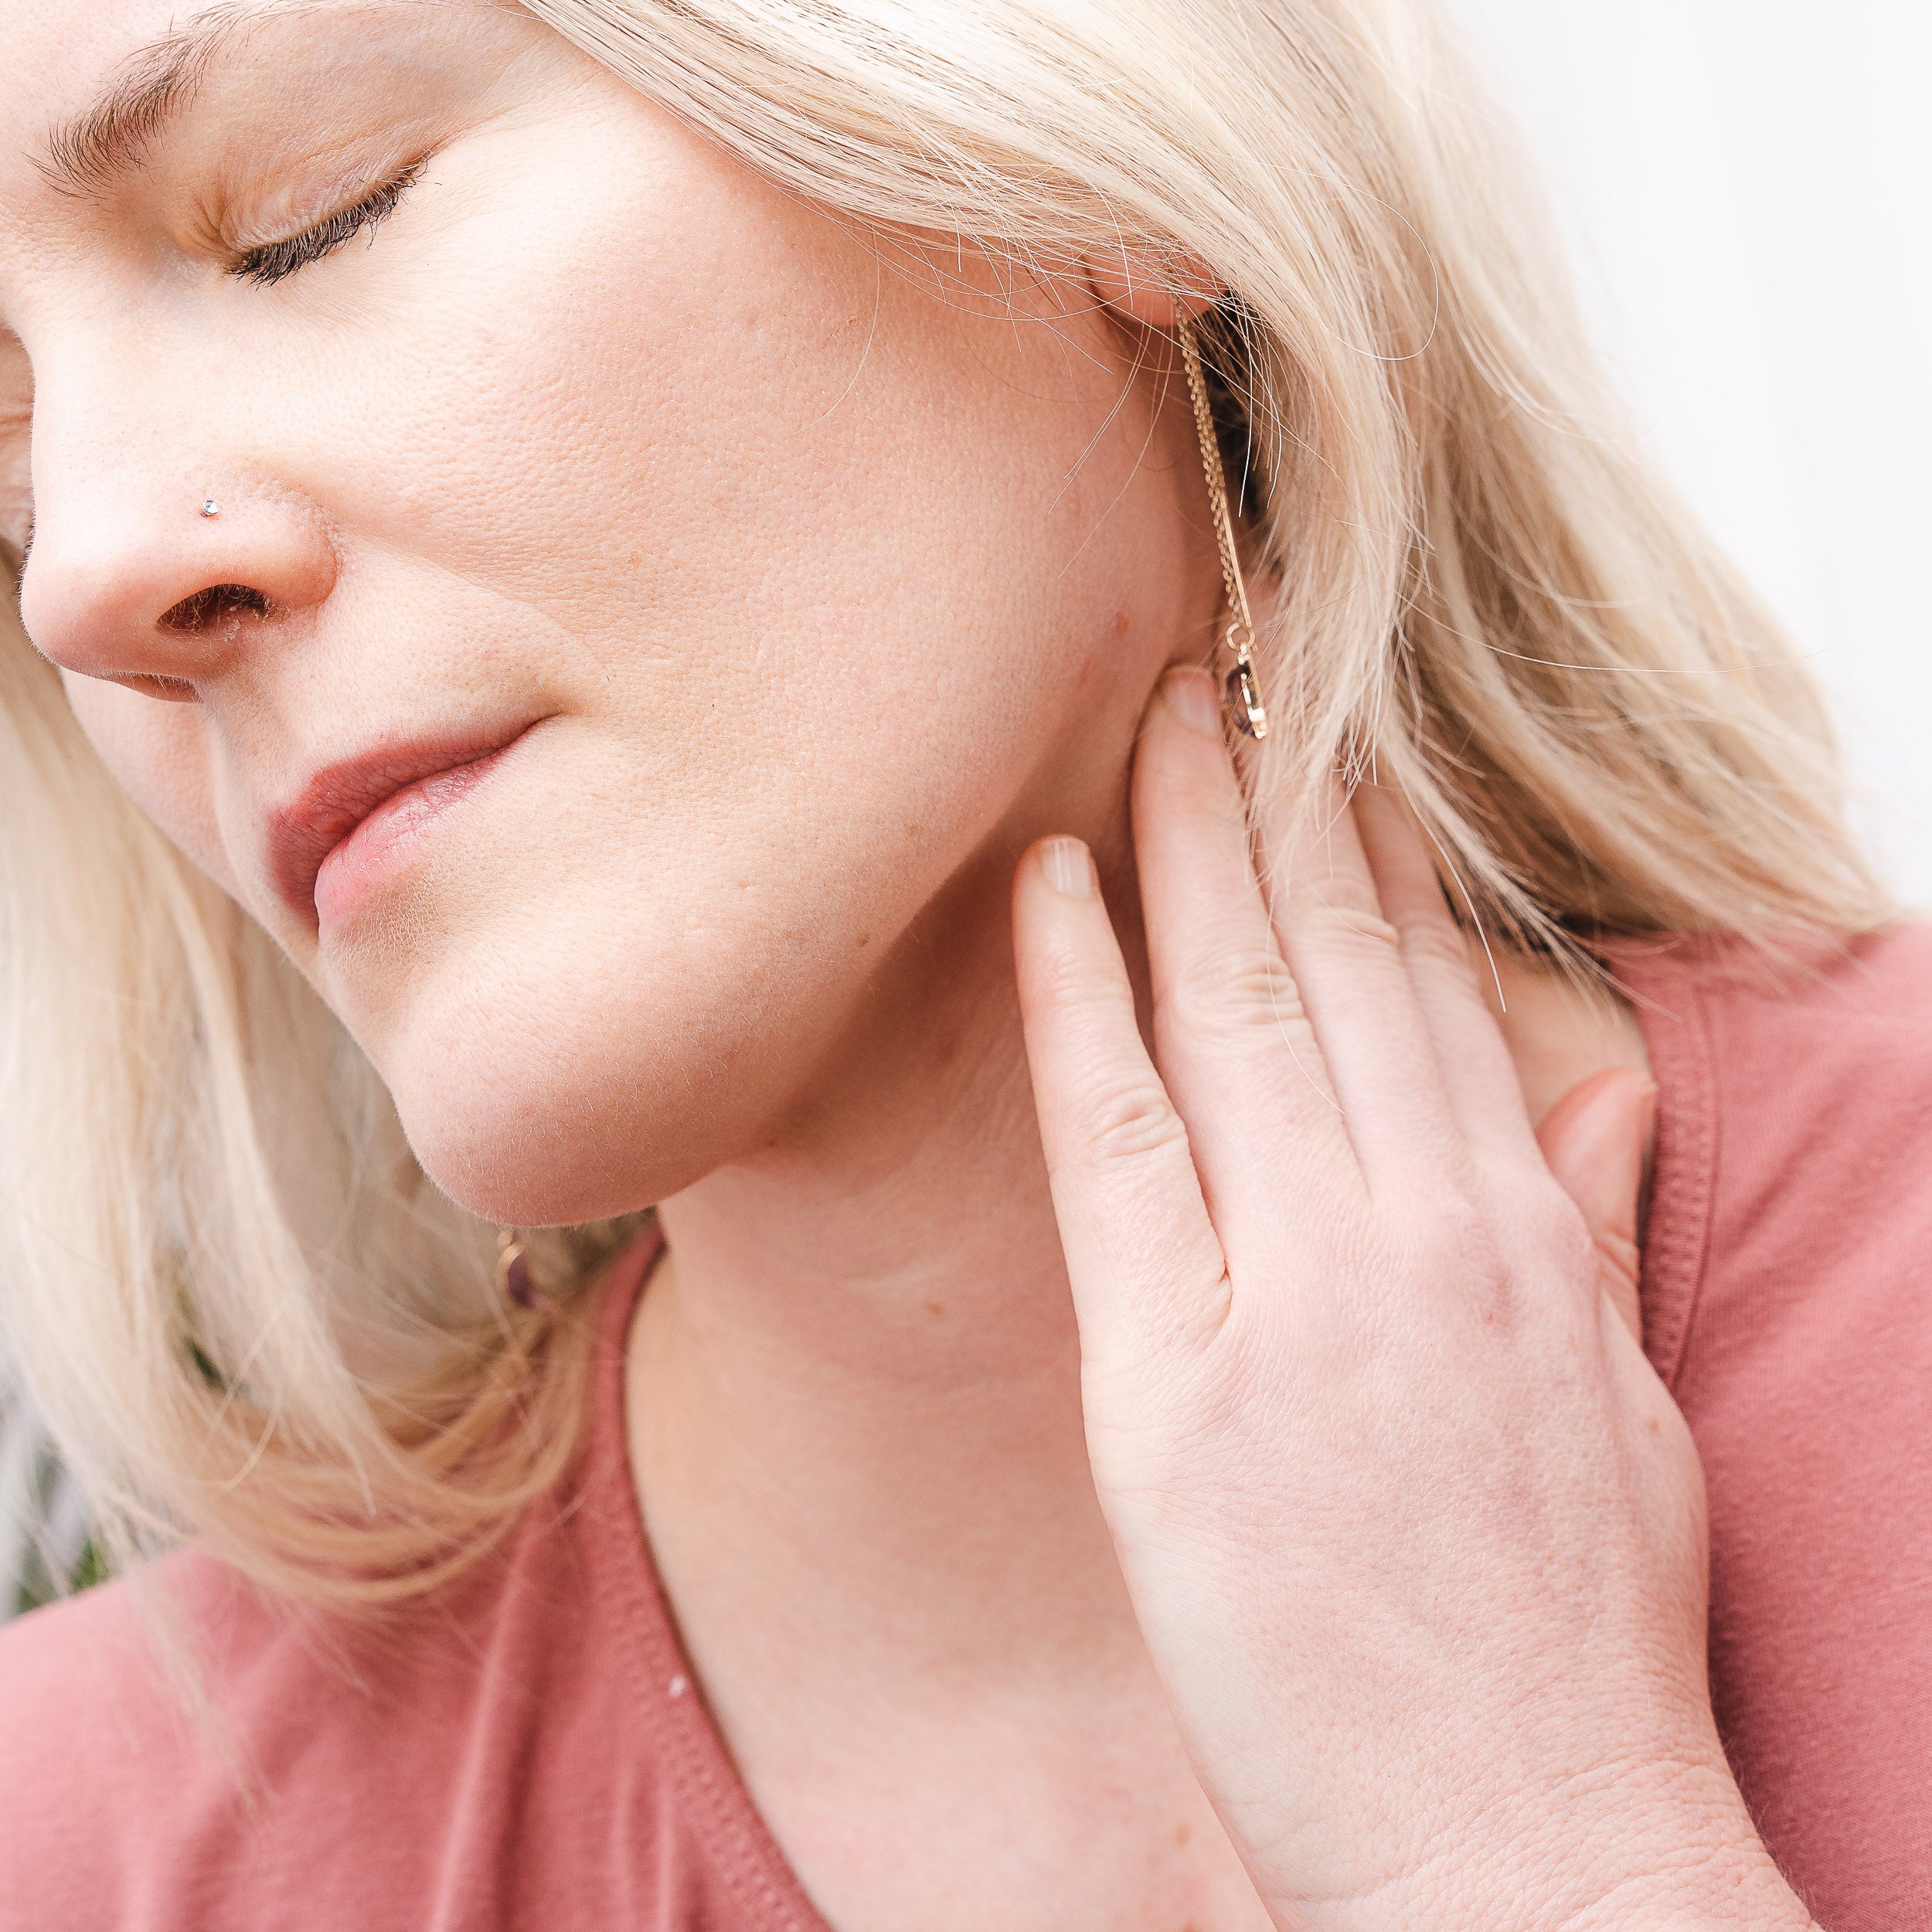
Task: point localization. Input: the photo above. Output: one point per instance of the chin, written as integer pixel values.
(537, 1091)
(514, 1140)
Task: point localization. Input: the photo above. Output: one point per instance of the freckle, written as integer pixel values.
(864, 939)
(1121, 621)
(1181, 1834)
(935, 1307)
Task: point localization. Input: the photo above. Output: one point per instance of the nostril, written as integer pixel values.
(219, 604)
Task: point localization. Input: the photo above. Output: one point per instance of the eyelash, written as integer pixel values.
(275, 261)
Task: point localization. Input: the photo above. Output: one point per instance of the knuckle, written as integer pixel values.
(1436, 944)
(1347, 925)
(1452, 1231)
(1131, 1120)
(1069, 980)
(1449, 1240)
(1557, 1233)
(1236, 992)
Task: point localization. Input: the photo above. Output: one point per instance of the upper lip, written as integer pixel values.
(307, 826)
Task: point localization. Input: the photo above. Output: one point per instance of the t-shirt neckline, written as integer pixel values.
(712, 1800)
(714, 1803)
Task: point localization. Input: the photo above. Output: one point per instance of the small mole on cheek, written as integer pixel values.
(935, 1308)
(1121, 620)
(1182, 1833)
(864, 939)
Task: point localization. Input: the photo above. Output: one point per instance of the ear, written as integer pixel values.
(1153, 287)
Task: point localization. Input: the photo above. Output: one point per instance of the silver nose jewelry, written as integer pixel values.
(210, 507)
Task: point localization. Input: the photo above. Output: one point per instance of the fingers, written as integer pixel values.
(1597, 1142)
(1147, 1270)
(1351, 963)
(1479, 1075)
(1235, 1045)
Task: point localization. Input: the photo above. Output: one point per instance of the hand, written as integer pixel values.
(1416, 1537)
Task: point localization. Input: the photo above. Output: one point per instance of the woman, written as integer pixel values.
(608, 568)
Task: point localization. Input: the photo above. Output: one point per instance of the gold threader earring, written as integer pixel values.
(1244, 693)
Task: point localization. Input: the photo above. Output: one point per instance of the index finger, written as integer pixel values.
(1146, 1266)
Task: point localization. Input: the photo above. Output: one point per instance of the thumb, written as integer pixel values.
(1596, 1139)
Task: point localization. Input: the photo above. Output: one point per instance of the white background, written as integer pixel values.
(1747, 185)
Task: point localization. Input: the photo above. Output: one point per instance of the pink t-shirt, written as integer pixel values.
(534, 1752)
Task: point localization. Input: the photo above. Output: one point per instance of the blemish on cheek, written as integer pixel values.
(1121, 621)
(935, 1308)
(864, 939)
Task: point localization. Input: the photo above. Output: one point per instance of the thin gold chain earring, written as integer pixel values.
(1244, 692)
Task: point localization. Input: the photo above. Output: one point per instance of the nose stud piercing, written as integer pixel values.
(1243, 689)
(211, 508)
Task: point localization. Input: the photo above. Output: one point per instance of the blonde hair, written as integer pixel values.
(249, 1317)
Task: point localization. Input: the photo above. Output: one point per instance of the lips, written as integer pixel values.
(340, 799)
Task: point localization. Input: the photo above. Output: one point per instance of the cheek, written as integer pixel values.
(823, 571)
(159, 755)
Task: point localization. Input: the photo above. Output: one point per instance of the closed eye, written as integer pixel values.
(274, 261)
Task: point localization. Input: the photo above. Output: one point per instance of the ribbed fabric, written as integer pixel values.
(1787, 1294)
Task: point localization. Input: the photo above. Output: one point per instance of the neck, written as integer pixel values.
(856, 1379)
(855, 1383)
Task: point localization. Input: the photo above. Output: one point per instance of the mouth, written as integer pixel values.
(325, 844)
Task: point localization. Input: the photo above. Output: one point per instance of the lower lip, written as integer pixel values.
(372, 855)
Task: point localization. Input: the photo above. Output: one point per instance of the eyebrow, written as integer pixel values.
(88, 152)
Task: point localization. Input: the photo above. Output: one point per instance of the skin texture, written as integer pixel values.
(1521, 1733)
(831, 577)
(429, 451)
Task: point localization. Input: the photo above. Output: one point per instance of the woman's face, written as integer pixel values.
(756, 591)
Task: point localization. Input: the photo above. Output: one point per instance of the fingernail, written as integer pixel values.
(1067, 867)
(1191, 696)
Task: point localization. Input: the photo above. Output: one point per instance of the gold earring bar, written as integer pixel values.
(1243, 688)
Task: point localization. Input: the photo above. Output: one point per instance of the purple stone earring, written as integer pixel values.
(513, 1278)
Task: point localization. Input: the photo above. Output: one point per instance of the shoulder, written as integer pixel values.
(1871, 984)
(180, 1752)
(1788, 1299)
(1793, 1206)
(102, 1743)
(1826, 1057)
(100, 1661)
(1826, 999)
(1821, 1054)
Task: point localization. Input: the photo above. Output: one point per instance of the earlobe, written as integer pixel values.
(1151, 287)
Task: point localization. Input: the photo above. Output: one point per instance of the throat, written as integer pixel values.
(854, 1422)
(901, 1604)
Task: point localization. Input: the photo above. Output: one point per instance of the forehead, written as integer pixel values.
(60, 56)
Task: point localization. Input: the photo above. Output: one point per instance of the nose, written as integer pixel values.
(128, 581)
